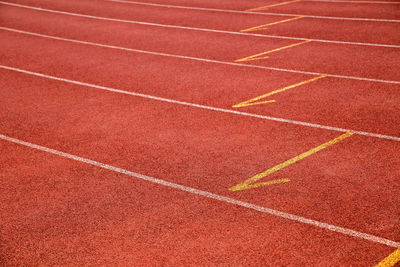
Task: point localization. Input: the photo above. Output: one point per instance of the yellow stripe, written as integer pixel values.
(390, 260)
(252, 101)
(256, 57)
(263, 27)
(278, 4)
(249, 103)
(248, 184)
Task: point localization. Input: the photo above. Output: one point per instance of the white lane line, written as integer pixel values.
(206, 194)
(251, 12)
(201, 59)
(198, 29)
(313, 125)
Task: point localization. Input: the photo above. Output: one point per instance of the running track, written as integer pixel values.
(129, 131)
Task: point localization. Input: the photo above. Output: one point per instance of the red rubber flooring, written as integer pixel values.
(120, 141)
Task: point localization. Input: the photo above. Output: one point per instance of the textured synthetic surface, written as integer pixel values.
(178, 123)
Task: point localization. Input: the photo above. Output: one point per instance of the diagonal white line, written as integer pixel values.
(313, 125)
(201, 59)
(256, 13)
(198, 29)
(206, 194)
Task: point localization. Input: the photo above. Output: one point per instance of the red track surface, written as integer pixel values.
(59, 211)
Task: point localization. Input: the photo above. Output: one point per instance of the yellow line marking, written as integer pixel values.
(252, 102)
(264, 27)
(248, 184)
(390, 260)
(257, 56)
(278, 4)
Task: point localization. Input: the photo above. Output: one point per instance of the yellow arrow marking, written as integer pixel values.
(390, 260)
(248, 184)
(253, 101)
(258, 56)
(264, 27)
(278, 4)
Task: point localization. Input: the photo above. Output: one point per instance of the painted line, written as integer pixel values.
(278, 4)
(258, 56)
(249, 183)
(201, 59)
(390, 260)
(253, 101)
(265, 26)
(206, 194)
(252, 13)
(196, 29)
(270, 118)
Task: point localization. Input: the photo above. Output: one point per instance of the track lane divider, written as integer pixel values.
(276, 213)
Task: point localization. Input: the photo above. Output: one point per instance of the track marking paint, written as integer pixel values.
(265, 26)
(252, 13)
(253, 101)
(200, 59)
(288, 216)
(273, 5)
(264, 117)
(390, 260)
(196, 29)
(250, 183)
(259, 56)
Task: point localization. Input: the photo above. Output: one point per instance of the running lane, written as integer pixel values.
(60, 212)
(358, 105)
(318, 8)
(337, 9)
(352, 31)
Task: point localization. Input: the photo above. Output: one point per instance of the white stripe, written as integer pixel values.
(199, 29)
(206, 194)
(201, 59)
(313, 125)
(252, 12)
